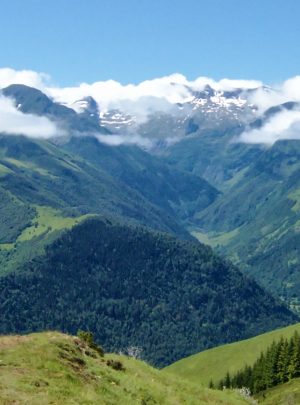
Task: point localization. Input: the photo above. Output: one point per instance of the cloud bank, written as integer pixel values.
(155, 94)
(171, 89)
(283, 125)
(158, 93)
(142, 99)
(30, 78)
(13, 121)
(116, 140)
(265, 98)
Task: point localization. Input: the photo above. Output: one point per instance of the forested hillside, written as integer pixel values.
(255, 220)
(134, 287)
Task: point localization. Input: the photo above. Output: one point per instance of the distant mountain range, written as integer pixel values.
(181, 170)
(206, 109)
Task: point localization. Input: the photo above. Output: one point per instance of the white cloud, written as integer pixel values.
(13, 121)
(136, 99)
(30, 78)
(110, 94)
(173, 89)
(148, 97)
(224, 84)
(289, 90)
(116, 140)
(284, 125)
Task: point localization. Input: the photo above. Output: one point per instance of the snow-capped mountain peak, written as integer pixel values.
(116, 120)
(86, 105)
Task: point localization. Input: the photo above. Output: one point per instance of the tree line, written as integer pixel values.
(278, 364)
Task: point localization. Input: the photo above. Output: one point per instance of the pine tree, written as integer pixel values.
(221, 384)
(270, 366)
(248, 378)
(227, 380)
(258, 374)
(294, 364)
(283, 361)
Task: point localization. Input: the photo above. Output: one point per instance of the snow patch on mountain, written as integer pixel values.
(171, 107)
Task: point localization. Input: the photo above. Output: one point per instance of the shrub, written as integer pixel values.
(116, 365)
(88, 338)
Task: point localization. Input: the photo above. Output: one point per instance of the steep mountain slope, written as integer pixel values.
(208, 109)
(33, 101)
(213, 364)
(44, 189)
(131, 286)
(214, 155)
(42, 173)
(52, 368)
(136, 175)
(257, 221)
(180, 193)
(15, 216)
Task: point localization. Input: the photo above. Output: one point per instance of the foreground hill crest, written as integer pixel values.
(53, 368)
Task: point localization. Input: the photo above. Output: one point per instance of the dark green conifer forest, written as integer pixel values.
(131, 286)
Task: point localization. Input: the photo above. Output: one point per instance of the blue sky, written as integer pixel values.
(134, 40)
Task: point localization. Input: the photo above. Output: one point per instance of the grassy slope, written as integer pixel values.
(42, 230)
(50, 368)
(284, 394)
(49, 219)
(214, 363)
